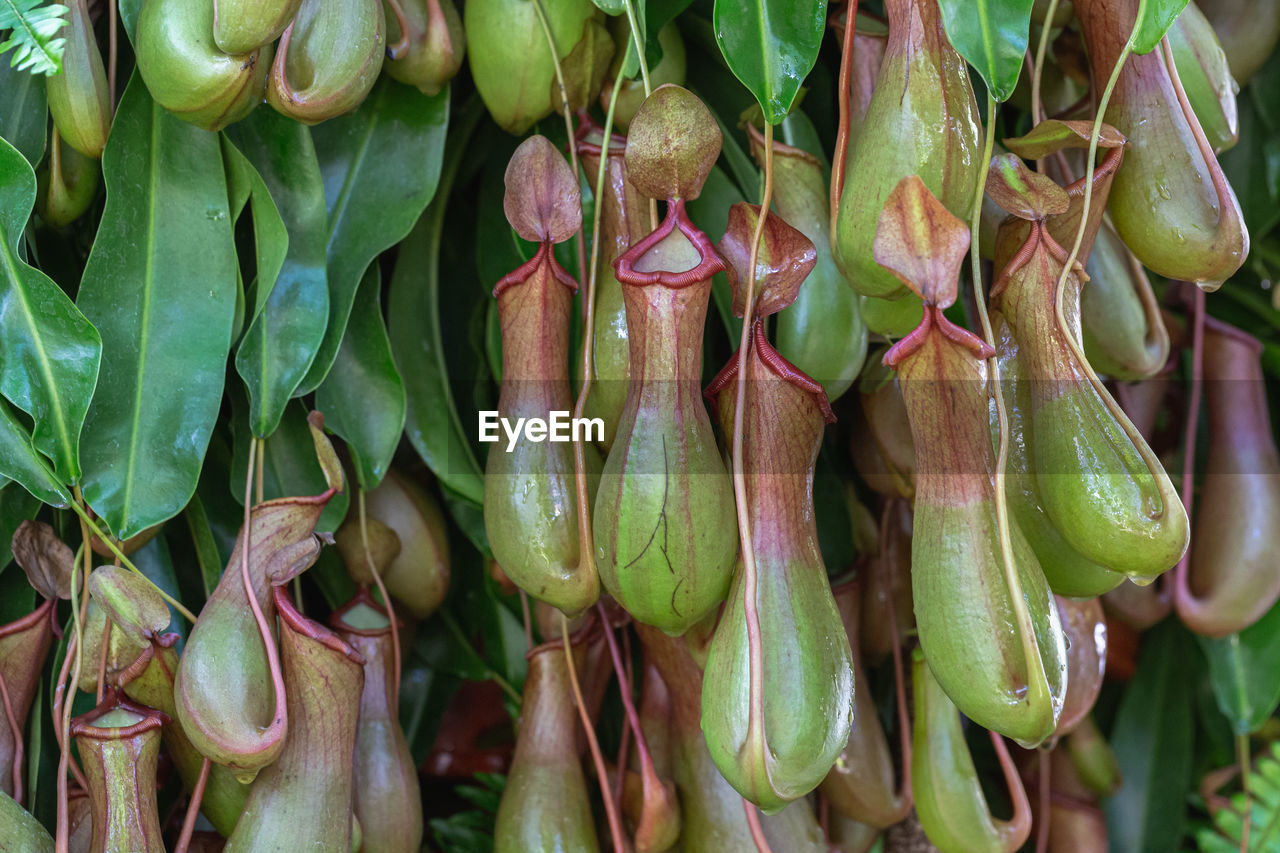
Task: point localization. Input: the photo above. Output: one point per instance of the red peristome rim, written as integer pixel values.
(934, 318)
(711, 264)
(309, 628)
(111, 700)
(525, 271)
(781, 368)
(587, 126)
(17, 626)
(363, 596)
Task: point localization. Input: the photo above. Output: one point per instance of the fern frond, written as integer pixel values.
(34, 34)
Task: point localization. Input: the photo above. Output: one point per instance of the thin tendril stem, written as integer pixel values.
(126, 562)
(905, 796)
(1042, 825)
(1149, 459)
(753, 824)
(1186, 602)
(634, 24)
(1037, 70)
(586, 541)
(1021, 613)
(568, 117)
(386, 598)
(846, 116)
(264, 630)
(79, 609)
(193, 808)
(610, 807)
(755, 651)
(528, 622)
(624, 689)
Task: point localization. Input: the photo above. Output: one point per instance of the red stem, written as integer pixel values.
(193, 809)
(842, 102)
(1182, 591)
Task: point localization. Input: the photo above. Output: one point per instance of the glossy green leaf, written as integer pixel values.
(1244, 670)
(413, 310)
(771, 45)
(205, 546)
(1153, 21)
(24, 112)
(270, 239)
(289, 467)
(992, 37)
(281, 341)
(363, 397)
(1152, 740)
(49, 365)
(380, 166)
(160, 286)
(22, 463)
(611, 7)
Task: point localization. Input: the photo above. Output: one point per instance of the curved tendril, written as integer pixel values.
(79, 610)
(634, 26)
(1037, 70)
(628, 703)
(397, 50)
(1019, 825)
(1149, 459)
(105, 539)
(905, 797)
(1220, 186)
(610, 807)
(755, 651)
(193, 808)
(568, 118)
(386, 599)
(586, 542)
(281, 717)
(846, 117)
(1037, 680)
(1042, 825)
(753, 823)
(1184, 599)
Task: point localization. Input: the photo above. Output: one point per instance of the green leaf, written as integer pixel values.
(611, 7)
(206, 546)
(771, 45)
(363, 397)
(24, 112)
(991, 35)
(1153, 21)
(51, 352)
(34, 39)
(380, 165)
(160, 286)
(1244, 670)
(282, 340)
(22, 463)
(413, 311)
(289, 467)
(1152, 740)
(270, 239)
